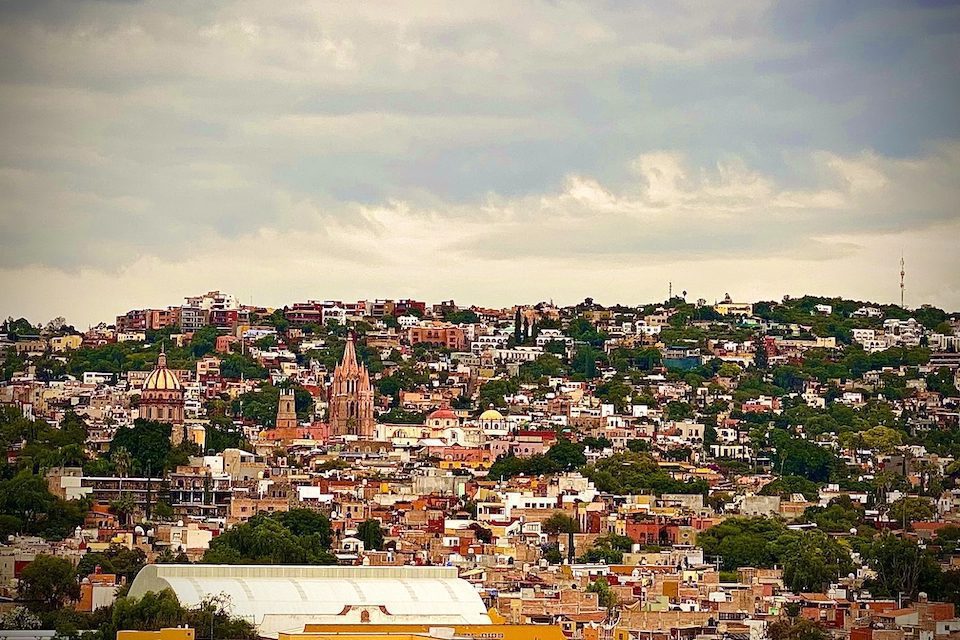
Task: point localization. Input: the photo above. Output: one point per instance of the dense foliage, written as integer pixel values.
(635, 473)
(293, 537)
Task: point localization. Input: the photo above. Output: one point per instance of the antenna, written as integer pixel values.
(670, 292)
(902, 273)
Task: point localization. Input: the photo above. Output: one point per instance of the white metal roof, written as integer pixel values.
(285, 597)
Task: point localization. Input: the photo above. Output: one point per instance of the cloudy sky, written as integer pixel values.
(490, 152)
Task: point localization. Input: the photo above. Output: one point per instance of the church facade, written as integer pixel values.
(351, 397)
(161, 398)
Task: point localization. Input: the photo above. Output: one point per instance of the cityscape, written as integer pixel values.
(782, 469)
(426, 320)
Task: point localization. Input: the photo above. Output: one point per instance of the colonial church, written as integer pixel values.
(351, 397)
(161, 398)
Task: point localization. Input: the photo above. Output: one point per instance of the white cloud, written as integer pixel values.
(496, 150)
(713, 230)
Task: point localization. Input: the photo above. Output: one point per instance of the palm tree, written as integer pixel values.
(122, 460)
(124, 506)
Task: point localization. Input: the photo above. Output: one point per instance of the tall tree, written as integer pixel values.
(901, 566)
(48, 583)
(760, 359)
(371, 534)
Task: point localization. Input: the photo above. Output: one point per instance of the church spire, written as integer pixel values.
(349, 362)
(351, 396)
(162, 358)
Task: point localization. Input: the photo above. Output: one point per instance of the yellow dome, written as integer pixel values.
(161, 378)
(491, 414)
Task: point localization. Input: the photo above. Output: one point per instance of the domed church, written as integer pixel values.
(161, 398)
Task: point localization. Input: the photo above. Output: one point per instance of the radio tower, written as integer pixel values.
(902, 273)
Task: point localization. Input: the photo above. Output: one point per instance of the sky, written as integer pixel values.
(489, 152)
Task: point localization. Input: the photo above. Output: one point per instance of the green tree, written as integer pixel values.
(800, 457)
(880, 439)
(797, 629)
(558, 523)
(567, 455)
(602, 554)
(638, 445)
(122, 460)
(551, 553)
(306, 522)
(19, 618)
(204, 341)
(26, 496)
(494, 392)
(633, 473)
(370, 533)
(544, 366)
(117, 560)
(608, 549)
(615, 392)
(462, 316)
(235, 365)
(124, 507)
(48, 583)
(909, 510)
(264, 540)
(786, 486)
(605, 595)
(840, 516)
(743, 542)
(162, 511)
(584, 362)
(760, 358)
(901, 566)
(812, 560)
(147, 444)
(161, 610)
(261, 405)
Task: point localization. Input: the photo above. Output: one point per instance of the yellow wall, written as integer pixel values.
(163, 634)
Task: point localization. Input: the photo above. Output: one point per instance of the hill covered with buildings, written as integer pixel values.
(675, 469)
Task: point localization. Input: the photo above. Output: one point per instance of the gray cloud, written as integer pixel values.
(149, 133)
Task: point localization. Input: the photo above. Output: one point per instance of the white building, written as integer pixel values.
(285, 598)
(517, 354)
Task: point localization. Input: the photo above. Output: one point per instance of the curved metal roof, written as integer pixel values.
(285, 597)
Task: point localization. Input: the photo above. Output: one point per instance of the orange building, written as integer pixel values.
(449, 336)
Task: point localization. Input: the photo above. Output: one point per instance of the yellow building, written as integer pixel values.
(176, 633)
(734, 308)
(59, 344)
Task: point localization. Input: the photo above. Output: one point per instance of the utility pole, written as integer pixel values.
(149, 485)
(902, 273)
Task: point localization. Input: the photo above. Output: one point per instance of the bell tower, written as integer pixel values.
(287, 410)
